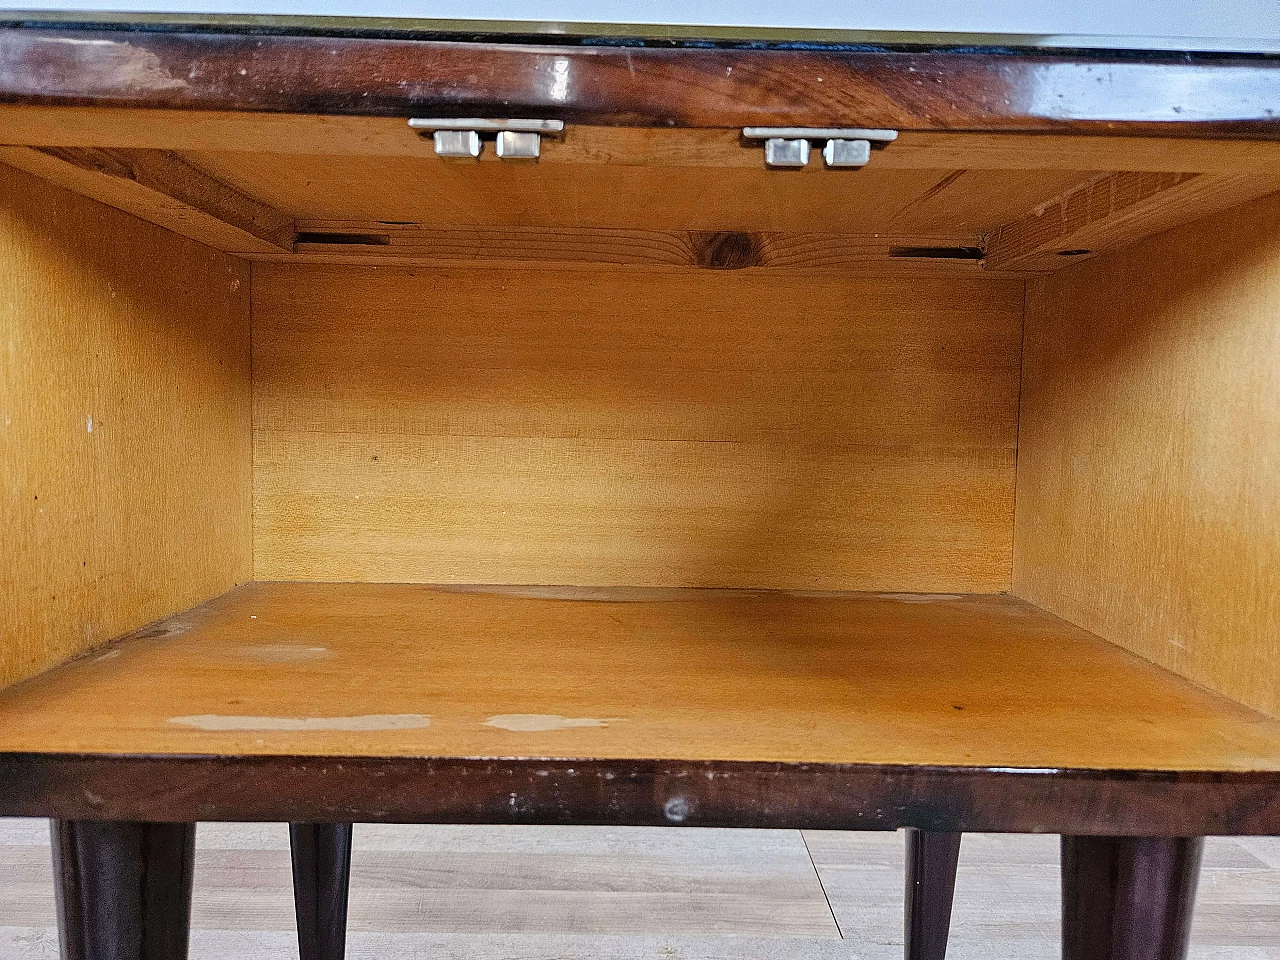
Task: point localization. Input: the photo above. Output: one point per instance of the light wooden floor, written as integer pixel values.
(605, 894)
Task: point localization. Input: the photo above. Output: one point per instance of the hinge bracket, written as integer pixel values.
(463, 139)
(843, 147)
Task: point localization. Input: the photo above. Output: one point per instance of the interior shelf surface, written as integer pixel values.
(399, 670)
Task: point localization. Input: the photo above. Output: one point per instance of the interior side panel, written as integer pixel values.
(125, 415)
(1148, 498)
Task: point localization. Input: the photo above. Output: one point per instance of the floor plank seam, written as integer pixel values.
(822, 886)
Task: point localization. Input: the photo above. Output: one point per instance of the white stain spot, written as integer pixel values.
(676, 810)
(559, 90)
(117, 64)
(109, 655)
(541, 722)
(214, 722)
(88, 425)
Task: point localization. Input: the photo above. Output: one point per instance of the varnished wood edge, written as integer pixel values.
(632, 34)
(641, 792)
(948, 89)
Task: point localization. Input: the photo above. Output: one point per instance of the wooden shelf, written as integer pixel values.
(354, 670)
(480, 685)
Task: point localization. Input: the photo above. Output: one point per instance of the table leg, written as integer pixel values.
(123, 889)
(1128, 898)
(321, 882)
(932, 858)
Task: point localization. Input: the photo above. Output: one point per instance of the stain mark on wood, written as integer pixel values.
(543, 722)
(370, 722)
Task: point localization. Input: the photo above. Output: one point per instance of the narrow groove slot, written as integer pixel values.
(350, 239)
(937, 253)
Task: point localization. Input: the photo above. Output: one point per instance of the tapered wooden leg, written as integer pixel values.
(931, 884)
(1128, 898)
(321, 881)
(123, 889)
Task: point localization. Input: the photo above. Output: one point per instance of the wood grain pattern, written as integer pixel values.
(1149, 450)
(493, 193)
(365, 243)
(162, 188)
(711, 428)
(630, 675)
(301, 133)
(126, 361)
(1114, 210)
(976, 90)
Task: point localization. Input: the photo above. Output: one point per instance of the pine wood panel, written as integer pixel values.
(646, 427)
(170, 129)
(125, 362)
(162, 188)
(402, 670)
(366, 243)
(1149, 450)
(491, 192)
(1114, 210)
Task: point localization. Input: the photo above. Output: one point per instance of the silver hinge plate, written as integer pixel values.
(463, 138)
(844, 147)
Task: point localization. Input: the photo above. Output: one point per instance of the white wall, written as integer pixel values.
(1201, 24)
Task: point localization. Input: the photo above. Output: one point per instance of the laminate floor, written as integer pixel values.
(569, 893)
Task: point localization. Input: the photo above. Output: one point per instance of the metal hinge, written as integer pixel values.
(463, 139)
(843, 147)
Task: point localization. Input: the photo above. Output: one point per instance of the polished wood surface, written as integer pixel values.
(703, 428)
(932, 859)
(321, 854)
(1148, 449)
(645, 85)
(401, 670)
(708, 793)
(126, 361)
(123, 889)
(1128, 898)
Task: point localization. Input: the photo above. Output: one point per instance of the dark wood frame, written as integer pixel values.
(608, 82)
(129, 819)
(640, 792)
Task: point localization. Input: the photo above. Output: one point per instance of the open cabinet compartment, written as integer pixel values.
(710, 463)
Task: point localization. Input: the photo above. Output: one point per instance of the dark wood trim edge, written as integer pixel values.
(979, 90)
(640, 792)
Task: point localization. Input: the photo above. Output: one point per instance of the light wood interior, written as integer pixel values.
(402, 670)
(629, 426)
(1149, 450)
(125, 413)
(648, 361)
(259, 184)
